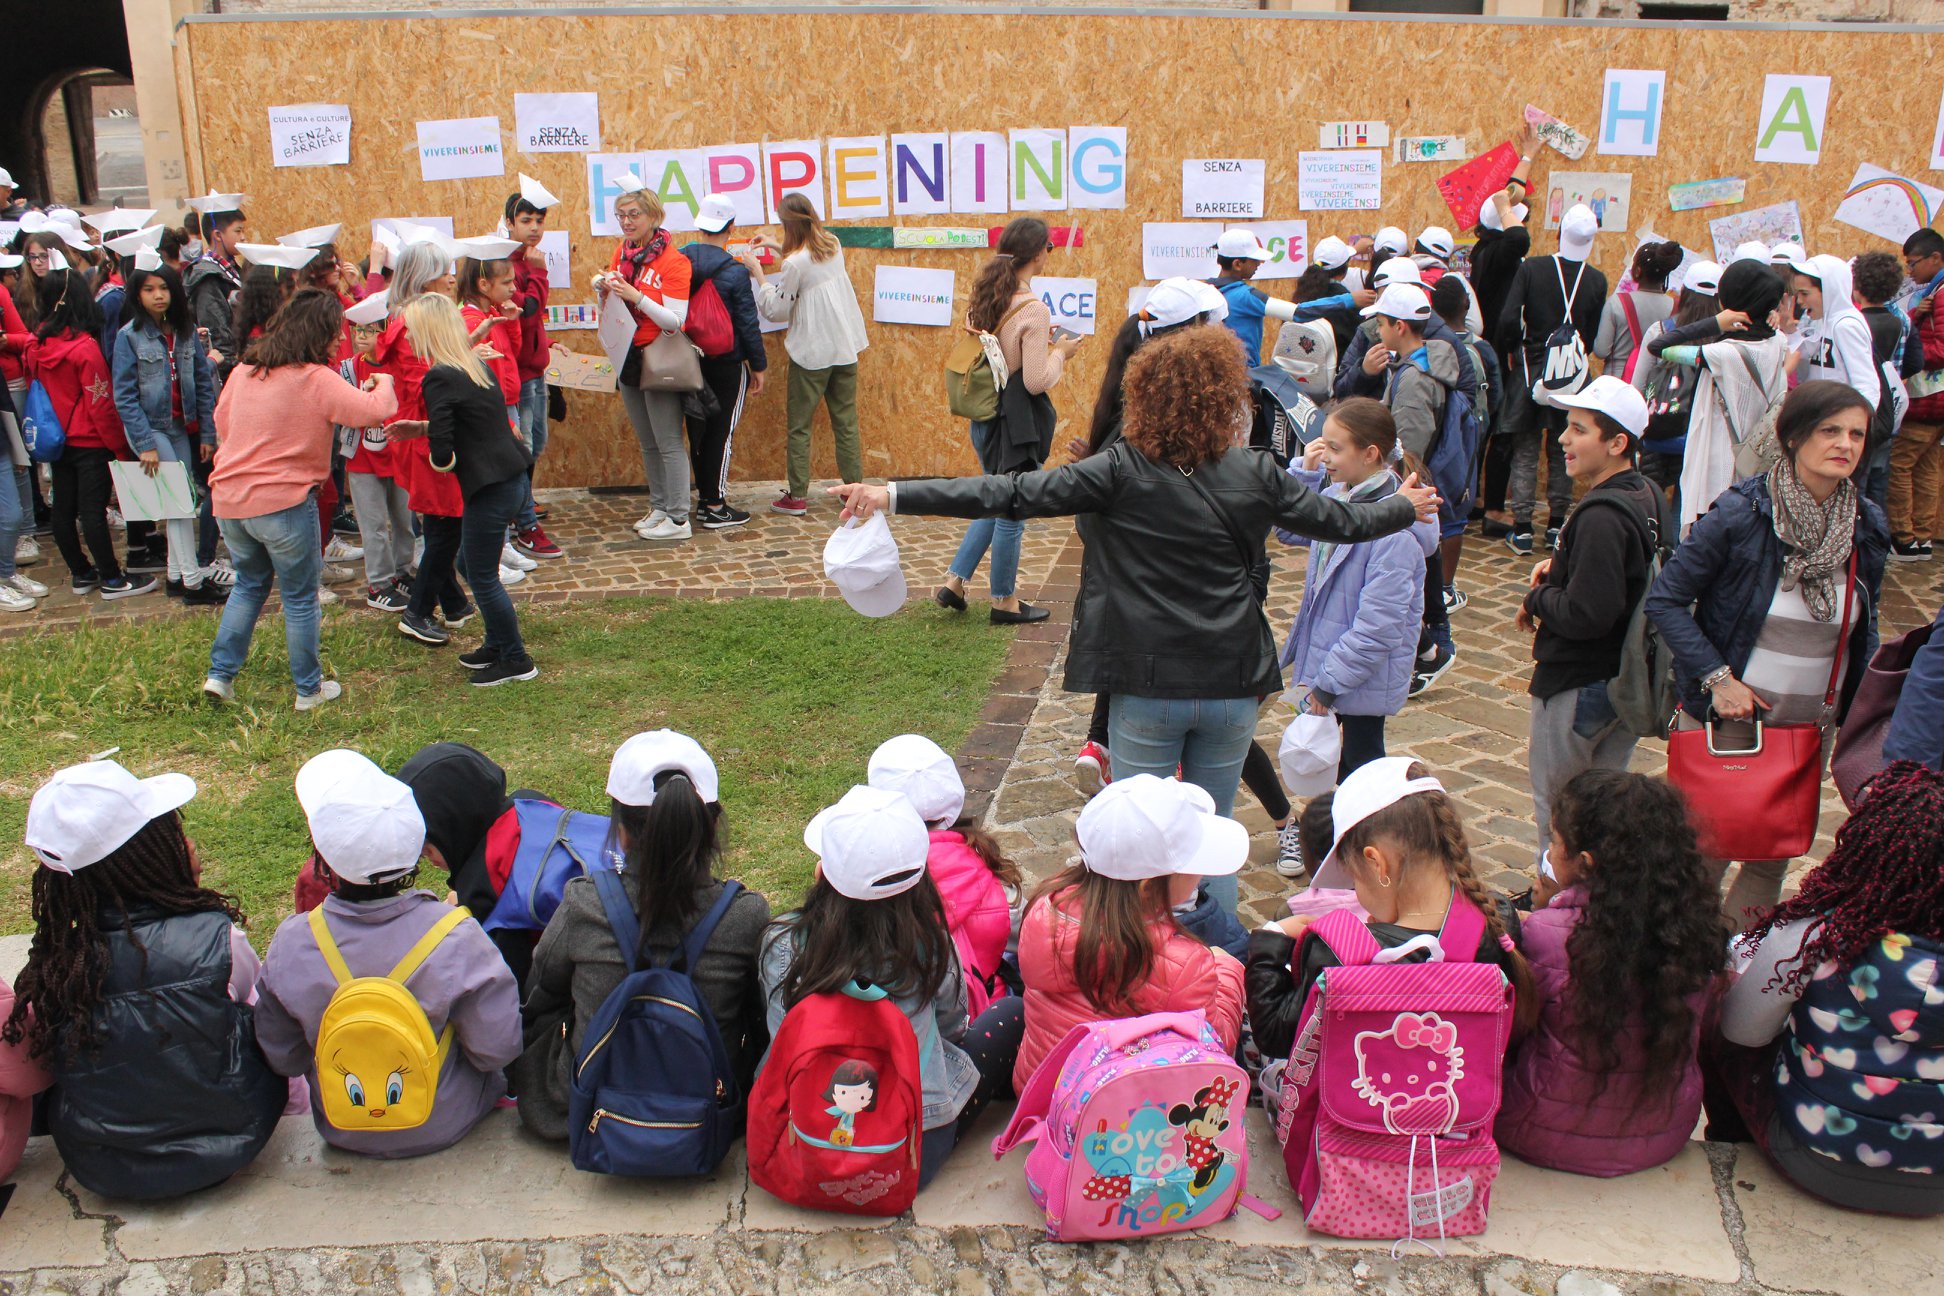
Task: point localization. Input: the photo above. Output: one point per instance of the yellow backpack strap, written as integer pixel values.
(426, 944)
(328, 947)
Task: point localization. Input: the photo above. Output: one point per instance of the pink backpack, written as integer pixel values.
(1139, 1128)
(1388, 1098)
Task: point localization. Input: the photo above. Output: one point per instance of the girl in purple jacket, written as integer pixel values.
(1624, 956)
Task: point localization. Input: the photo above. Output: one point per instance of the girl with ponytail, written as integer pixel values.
(668, 826)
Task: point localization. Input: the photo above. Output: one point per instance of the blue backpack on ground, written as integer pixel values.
(40, 426)
(556, 845)
(654, 1092)
(1453, 461)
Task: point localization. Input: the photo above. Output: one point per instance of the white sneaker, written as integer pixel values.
(511, 557)
(652, 521)
(511, 575)
(335, 575)
(31, 588)
(330, 692)
(668, 529)
(26, 550)
(342, 550)
(326, 597)
(12, 600)
(220, 573)
(218, 690)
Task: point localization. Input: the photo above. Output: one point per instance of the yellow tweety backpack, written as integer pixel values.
(377, 1061)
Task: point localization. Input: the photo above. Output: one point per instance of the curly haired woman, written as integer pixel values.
(1833, 1038)
(1174, 517)
(1610, 1083)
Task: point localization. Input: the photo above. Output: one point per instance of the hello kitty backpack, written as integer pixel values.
(1388, 1098)
(1139, 1130)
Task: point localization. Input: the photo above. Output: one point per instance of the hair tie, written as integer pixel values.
(1007, 255)
(1505, 943)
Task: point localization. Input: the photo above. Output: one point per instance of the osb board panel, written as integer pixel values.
(1183, 87)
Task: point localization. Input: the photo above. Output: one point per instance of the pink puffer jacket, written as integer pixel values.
(976, 912)
(1186, 975)
(1553, 1112)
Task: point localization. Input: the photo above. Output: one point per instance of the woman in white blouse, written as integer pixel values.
(812, 293)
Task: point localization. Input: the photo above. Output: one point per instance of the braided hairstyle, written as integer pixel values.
(1650, 935)
(1885, 875)
(61, 984)
(1423, 827)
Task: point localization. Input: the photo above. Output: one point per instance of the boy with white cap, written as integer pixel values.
(1583, 597)
(1545, 293)
(1433, 252)
(1239, 254)
(369, 834)
(525, 218)
(1364, 368)
(733, 375)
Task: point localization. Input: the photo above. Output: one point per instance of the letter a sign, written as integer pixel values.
(1793, 110)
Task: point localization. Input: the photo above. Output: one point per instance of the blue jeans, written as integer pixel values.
(1207, 737)
(281, 545)
(482, 533)
(532, 411)
(1001, 535)
(16, 508)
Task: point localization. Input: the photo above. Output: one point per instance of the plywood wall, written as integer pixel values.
(1203, 86)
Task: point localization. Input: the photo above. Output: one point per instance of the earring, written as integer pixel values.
(1385, 882)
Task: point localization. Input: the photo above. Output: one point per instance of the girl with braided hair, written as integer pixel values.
(1832, 1040)
(137, 992)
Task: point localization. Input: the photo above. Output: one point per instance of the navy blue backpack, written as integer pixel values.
(1453, 461)
(654, 1092)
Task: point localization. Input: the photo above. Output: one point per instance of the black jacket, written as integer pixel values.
(1023, 433)
(1597, 578)
(732, 285)
(1886, 331)
(211, 287)
(1534, 307)
(1495, 259)
(470, 423)
(177, 1096)
(1166, 608)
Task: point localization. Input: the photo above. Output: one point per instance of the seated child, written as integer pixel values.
(663, 791)
(21, 1077)
(369, 836)
(1623, 958)
(136, 993)
(1101, 938)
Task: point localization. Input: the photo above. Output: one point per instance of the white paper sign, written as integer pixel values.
(1630, 112)
(1288, 244)
(558, 123)
(793, 166)
(1038, 170)
(859, 185)
(1222, 188)
(673, 175)
(1790, 128)
(616, 330)
(1341, 180)
(1937, 139)
(978, 172)
(553, 246)
(1073, 302)
(1185, 248)
(460, 149)
(1888, 205)
(912, 295)
(1098, 158)
(310, 135)
(153, 499)
(921, 174)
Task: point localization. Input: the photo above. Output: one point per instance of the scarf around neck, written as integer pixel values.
(1816, 538)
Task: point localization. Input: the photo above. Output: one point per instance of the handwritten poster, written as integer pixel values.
(1556, 134)
(912, 295)
(1222, 187)
(310, 135)
(463, 148)
(1185, 248)
(1340, 180)
(1466, 187)
(1428, 148)
(558, 123)
(581, 372)
(1073, 303)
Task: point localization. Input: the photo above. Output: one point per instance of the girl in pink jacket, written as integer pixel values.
(1100, 940)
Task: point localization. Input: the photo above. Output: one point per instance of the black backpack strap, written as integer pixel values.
(698, 937)
(620, 915)
(1242, 547)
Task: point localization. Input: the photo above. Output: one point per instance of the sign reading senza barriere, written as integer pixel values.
(310, 135)
(558, 123)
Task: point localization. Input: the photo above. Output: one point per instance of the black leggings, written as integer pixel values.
(710, 439)
(1258, 770)
(82, 487)
(1363, 742)
(437, 583)
(992, 1042)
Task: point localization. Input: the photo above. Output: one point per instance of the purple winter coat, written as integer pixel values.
(1550, 1114)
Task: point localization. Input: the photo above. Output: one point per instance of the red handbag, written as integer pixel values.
(1761, 802)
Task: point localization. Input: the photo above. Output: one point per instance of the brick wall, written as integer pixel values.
(1779, 11)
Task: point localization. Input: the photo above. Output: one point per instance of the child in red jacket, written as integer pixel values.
(526, 220)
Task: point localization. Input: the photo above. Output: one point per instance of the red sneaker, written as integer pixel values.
(787, 503)
(533, 542)
(1093, 768)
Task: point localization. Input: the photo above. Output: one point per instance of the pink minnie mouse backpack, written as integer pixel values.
(1391, 1087)
(1139, 1129)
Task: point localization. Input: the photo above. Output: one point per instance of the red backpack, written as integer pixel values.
(835, 1117)
(708, 324)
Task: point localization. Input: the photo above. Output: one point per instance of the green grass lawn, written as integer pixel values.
(789, 697)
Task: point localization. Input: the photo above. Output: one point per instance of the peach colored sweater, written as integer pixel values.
(274, 430)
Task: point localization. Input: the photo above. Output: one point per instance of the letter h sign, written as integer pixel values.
(1630, 112)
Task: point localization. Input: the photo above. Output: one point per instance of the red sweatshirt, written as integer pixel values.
(15, 337)
(530, 286)
(505, 339)
(427, 491)
(71, 367)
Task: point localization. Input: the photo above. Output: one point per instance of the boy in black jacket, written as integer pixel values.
(1876, 279)
(1582, 597)
(733, 376)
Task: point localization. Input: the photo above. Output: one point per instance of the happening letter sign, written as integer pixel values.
(1098, 155)
(858, 185)
(1038, 163)
(1630, 112)
(1791, 124)
(1071, 302)
(791, 167)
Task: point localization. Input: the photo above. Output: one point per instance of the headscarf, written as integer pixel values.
(1755, 290)
(1816, 537)
(461, 794)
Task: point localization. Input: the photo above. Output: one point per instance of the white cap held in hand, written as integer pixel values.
(861, 560)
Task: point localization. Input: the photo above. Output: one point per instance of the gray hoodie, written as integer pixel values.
(1419, 384)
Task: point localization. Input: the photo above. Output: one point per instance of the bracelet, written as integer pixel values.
(1719, 675)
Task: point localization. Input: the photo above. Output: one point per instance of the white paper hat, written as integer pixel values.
(1401, 301)
(1331, 252)
(1144, 827)
(919, 768)
(55, 261)
(387, 237)
(861, 559)
(148, 259)
(366, 824)
(871, 845)
(640, 760)
(86, 813)
(72, 235)
(276, 254)
(212, 202)
(316, 236)
(130, 244)
(369, 311)
(628, 182)
(487, 247)
(1311, 747)
(536, 194)
(119, 218)
(1373, 786)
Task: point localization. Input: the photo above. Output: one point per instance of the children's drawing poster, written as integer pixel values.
(1428, 148)
(1352, 134)
(1608, 193)
(1465, 188)
(1937, 139)
(1556, 134)
(1692, 195)
(1777, 223)
(1888, 205)
(160, 498)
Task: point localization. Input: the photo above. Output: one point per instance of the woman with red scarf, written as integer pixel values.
(652, 277)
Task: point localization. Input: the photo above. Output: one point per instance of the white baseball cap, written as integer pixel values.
(872, 844)
(922, 770)
(1752, 251)
(1613, 397)
(1240, 243)
(1576, 230)
(365, 823)
(1144, 827)
(1311, 748)
(1396, 270)
(1373, 786)
(1172, 302)
(861, 559)
(1437, 240)
(87, 812)
(1391, 238)
(1703, 276)
(1788, 254)
(1488, 214)
(715, 214)
(6, 178)
(639, 761)
(1331, 252)
(1401, 301)
(1214, 302)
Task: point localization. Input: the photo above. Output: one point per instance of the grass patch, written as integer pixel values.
(788, 696)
